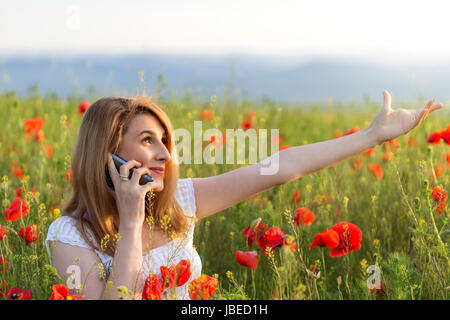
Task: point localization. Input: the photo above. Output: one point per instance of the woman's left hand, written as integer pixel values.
(388, 124)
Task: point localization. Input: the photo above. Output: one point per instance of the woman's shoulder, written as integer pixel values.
(64, 229)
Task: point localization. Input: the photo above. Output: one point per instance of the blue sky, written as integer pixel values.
(391, 30)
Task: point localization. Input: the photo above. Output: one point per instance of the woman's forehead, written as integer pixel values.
(145, 122)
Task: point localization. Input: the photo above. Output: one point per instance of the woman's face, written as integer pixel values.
(144, 142)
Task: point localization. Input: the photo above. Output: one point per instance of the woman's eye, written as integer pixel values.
(148, 139)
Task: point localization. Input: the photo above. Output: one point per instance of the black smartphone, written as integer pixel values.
(118, 161)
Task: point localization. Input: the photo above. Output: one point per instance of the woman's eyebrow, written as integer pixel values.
(151, 132)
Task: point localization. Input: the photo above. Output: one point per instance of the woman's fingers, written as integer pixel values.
(125, 168)
(138, 173)
(387, 100)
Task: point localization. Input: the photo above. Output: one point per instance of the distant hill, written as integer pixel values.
(255, 77)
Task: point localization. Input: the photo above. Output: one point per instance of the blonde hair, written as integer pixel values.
(101, 131)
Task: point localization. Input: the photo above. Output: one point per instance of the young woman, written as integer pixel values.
(118, 237)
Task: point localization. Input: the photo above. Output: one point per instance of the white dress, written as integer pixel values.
(63, 229)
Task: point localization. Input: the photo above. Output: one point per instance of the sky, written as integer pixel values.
(386, 30)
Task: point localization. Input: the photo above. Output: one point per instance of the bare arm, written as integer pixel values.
(214, 194)
(126, 270)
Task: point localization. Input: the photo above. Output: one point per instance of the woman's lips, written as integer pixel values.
(157, 170)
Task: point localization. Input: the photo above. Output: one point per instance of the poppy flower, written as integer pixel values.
(3, 288)
(183, 271)
(376, 169)
(247, 259)
(352, 130)
(152, 288)
(284, 146)
(207, 115)
(328, 238)
(254, 233)
(17, 293)
(33, 125)
(350, 237)
(440, 197)
(304, 216)
(17, 209)
(48, 149)
(439, 169)
(2, 232)
(29, 234)
(82, 107)
(247, 124)
(337, 133)
(445, 134)
(434, 138)
(357, 163)
(295, 196)
(3, 264)
(39, 136)
(61, 292)
(16, 171)
(273, 237)
(202, 288)
(176, 275)
(69, 175)
(388, 155)
(370, 152)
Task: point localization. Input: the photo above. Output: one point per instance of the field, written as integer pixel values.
(404, 224)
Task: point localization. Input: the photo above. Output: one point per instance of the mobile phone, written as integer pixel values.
(118, 161)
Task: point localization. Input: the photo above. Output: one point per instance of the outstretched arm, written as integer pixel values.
(214, 194)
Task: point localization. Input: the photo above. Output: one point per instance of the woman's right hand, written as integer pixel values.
(129, 195)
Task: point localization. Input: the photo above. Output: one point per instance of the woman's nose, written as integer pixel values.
(163, 154)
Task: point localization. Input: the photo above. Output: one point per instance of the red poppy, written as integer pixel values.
(33, 125)
(16, 171)
(176, 275)
(61, 292)
(352, 130)
(17, 293)
(440, 197)
(3, 288)
(388, 155)
(29, 234)
(328, 238)
(445, 134)
(439, 169)
(357, 163)
(202, 288)
(376, 169)
(207, 115)
(152, 288)
(295, 196)
(434, 138)
(168, 275)
(49, 150)
(2, 232)
(304, 216)
(254, 233)
(247, 259)
(3, 264)
(273, 237)
(17, 209)
(337, 133)
(350, 237)
(69, 175)
(370, 152)
(247, 124)
(183, 271)
(284, 146)
(39, 136)
(82, 107)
